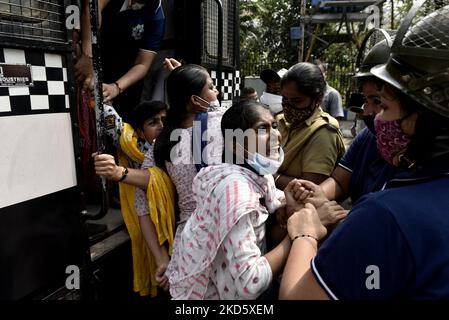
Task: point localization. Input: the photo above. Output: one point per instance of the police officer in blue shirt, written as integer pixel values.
(362, 170)
(395, 242)
(131, 34)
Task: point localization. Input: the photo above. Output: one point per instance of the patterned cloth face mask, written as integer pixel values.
(295, 116)
(391, 139)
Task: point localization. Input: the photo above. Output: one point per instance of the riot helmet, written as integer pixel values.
(374, 50)
(419, 61)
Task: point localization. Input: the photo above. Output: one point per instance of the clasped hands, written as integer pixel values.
(303, 197)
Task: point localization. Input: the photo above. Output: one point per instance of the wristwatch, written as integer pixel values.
(124, 174)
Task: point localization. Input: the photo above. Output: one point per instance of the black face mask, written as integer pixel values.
(369, 122)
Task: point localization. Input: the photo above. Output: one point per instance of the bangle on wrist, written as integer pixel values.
(118, 87)
(303, 236)
(124, 174)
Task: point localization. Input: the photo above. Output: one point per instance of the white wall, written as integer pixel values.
(36, 156)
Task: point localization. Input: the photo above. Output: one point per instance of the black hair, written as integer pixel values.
(308, 79)
(372, 79)
(144, 111)
(268, 76)
(248, 90)
(182, 83)
(241, 115)
(245, 95)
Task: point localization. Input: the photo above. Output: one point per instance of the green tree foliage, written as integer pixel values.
(265, 34)
(265, 37)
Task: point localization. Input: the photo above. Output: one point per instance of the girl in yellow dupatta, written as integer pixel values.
(149, 220)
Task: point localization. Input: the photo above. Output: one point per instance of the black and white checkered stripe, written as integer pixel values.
(231, 84)
(49, 93)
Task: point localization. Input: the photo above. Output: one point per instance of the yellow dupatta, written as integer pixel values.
(160, 194)
(161, 201)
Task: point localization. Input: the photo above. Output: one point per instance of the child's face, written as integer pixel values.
(152, 127)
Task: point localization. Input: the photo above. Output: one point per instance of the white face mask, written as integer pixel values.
(263, 165)
(214, 105)
(211, 106)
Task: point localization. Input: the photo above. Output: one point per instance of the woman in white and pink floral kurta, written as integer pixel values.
(221, 252)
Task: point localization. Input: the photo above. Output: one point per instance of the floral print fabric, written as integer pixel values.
(219, 254)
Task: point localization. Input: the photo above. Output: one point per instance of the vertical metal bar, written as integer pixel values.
(98, 95)
(302, 13)
(392, 15)
(220, 46)
(236, 34)
(97, 72)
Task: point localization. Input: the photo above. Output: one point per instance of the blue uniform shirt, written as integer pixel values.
(124, 32)
(393, 244)
(369, 170)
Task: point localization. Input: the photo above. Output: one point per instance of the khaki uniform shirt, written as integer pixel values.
(313, 146)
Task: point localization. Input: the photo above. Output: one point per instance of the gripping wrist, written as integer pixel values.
(87, 55)
(118, 88)
(124, 174)
(304, 236)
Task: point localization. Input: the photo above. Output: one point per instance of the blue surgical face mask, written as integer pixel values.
(264, 165)
(147, 145)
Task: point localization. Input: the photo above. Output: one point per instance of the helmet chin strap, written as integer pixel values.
(403, 160)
